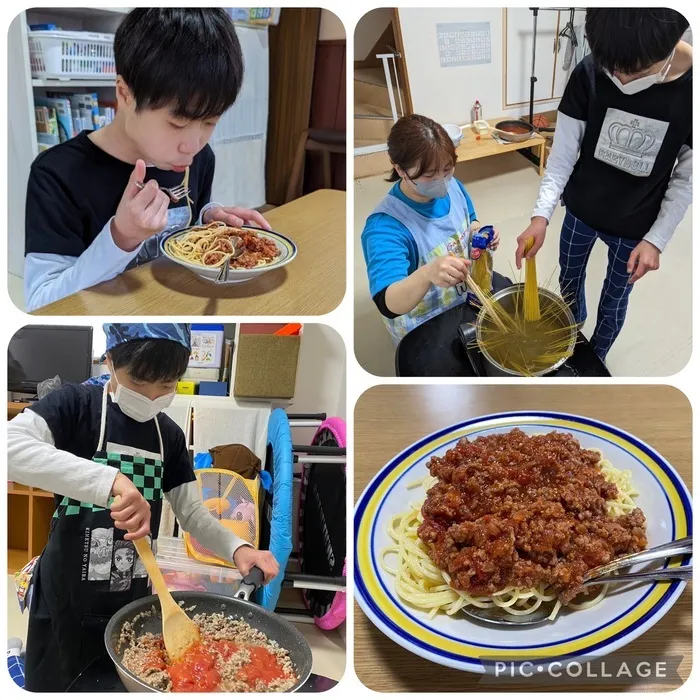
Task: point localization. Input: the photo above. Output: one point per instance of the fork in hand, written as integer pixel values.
(175, 193)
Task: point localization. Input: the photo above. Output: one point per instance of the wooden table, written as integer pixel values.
(471, 147)
(389, 418)
(313, 284)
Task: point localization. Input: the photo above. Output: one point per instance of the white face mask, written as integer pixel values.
(636, 86)
(435, 189)
(138, 406)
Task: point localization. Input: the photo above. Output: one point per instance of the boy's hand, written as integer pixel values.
(141, 213)
(236, 216)
(537, 230)
(447, 271)
(245, 558)
(130, 510)
(644, 258)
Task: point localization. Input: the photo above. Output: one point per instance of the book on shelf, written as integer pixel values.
(72, 115)
(64, 117)
(46, 126)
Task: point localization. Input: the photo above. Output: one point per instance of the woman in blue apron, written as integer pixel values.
(93, 443)
(416, 242)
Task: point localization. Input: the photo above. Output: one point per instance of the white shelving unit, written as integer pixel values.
(22, 89)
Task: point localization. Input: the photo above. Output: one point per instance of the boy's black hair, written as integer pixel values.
(187, 59)
(152, 361)
(630, 40)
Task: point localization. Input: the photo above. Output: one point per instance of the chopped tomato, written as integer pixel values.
(263, 666)
(195, 672)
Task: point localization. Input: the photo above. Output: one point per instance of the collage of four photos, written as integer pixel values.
(222, 472)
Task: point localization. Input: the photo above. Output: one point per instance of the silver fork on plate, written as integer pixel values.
(175, 193)
(238, 249)
(602, 574)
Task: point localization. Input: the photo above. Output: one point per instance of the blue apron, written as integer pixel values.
(448, 235)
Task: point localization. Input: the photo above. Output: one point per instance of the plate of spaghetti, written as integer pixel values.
(512, 510)
(251, 251)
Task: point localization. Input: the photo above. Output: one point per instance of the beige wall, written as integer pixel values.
(331, 28)
(370, 27)
(447, 94)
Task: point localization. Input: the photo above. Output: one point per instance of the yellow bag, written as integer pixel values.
(232, 500)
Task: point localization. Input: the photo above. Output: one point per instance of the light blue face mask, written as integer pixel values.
(435, 189)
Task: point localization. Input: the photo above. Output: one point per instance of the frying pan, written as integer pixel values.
(501, 130)
(237, 606)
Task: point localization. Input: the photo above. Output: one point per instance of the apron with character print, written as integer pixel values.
(88, 571)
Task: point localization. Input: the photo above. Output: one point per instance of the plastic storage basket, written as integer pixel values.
(182, 573)
(65, 55)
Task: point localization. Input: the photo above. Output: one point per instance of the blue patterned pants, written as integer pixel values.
(575, 246)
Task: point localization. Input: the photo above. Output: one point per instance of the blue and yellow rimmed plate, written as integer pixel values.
(286, 247)
(464, 643)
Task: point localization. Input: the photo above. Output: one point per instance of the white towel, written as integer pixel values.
(217, 423)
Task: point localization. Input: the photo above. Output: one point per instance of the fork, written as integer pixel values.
(238, 249)
(175, 193)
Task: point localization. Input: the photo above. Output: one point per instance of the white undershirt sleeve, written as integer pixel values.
(33, 460)
(568, 137)
(678, 197)
(49, 277)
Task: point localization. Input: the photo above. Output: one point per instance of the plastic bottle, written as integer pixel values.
(476, 111)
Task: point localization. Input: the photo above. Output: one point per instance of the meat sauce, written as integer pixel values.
(515, 129)
(197, 672)
(519, 510)
(258, 249)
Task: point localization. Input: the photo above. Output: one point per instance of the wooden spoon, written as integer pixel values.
(179, 631)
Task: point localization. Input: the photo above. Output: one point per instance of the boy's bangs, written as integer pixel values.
(214, 94)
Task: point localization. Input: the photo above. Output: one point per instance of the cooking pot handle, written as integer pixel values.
(250, 584)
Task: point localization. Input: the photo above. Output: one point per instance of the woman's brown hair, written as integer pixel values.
(419, 141)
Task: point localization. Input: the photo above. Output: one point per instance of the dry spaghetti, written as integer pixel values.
(212, 244)
(532, 291)
(491, 530)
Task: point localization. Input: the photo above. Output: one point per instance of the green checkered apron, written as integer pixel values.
(88, 571)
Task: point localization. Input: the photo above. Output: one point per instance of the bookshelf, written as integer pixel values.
(23, 89)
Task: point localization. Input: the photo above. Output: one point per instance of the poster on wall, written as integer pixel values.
(464, 43)
(255, 15)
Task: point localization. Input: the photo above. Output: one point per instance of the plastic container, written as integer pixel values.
(64, 55)
(182, 573)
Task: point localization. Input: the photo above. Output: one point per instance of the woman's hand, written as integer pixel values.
(644, 258)
(245, 558)
(236, 216)
(475, 226)
(537, 230)
(447, 271)
(130, 510)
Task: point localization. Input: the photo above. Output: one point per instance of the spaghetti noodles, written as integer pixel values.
(487, 536)
(212, 244)
(532, 291)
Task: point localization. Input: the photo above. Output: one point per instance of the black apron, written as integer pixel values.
(86, 573)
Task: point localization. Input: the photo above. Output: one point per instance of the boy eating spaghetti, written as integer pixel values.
(89, 216)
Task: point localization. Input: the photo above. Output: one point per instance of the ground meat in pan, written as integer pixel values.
(244, 659)
(517, 510)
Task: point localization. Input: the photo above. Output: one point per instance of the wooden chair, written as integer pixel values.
(321, 141)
